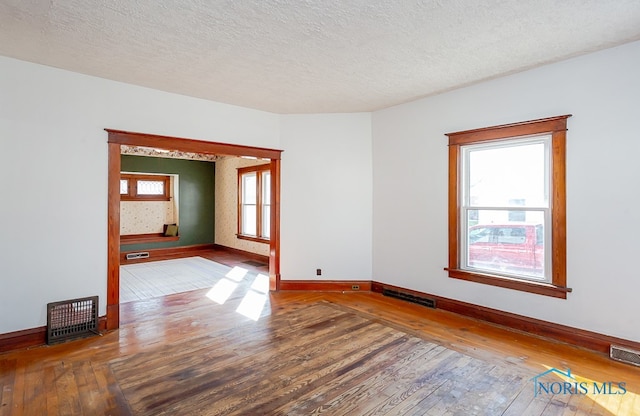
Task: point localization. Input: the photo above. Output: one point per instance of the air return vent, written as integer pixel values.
(625, 355)
(71, 319)
(430, 303)
(141, 255)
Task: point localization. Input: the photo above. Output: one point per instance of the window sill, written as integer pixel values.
(544, 289)
(146, 238)
(253, 238)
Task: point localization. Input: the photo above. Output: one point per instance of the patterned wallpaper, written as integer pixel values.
(226, 215)
(145, 217)
(171, 154)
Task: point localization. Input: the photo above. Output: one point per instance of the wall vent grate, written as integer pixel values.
(72, 319)
(624, 355)
(430, 303)
(141, 255)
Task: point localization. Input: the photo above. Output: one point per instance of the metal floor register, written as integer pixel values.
(72, 319)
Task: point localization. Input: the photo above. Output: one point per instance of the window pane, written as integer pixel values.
(266, 188)
(266, 221)
(496, 245)
(513, 175)
(124, 186)
(150, 187)
(249, 219)
(249, 189)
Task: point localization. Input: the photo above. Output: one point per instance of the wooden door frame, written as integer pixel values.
(117, 138)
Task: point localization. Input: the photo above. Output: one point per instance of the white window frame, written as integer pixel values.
(466, 205)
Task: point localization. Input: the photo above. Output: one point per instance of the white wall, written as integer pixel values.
(326, 214)
(601, 90)
(53, 165)
(336, 183)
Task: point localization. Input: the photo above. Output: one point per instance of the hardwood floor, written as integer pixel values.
(239, 350)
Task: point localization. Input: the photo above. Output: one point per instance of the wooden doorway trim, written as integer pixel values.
(116, 138)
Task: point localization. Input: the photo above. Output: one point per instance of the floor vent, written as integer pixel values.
(71, 319)
(141, 255)
(624, 355)
(430, 303)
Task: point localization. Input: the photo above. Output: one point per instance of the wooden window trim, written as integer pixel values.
(132, 194)
(556, 127)
(259, 170)
(252, 238)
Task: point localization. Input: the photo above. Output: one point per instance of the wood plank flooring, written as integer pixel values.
(257, 353)
(321, 359)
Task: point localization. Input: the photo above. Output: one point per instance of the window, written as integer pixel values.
(254, 203)
(144, 187)
(507, 206)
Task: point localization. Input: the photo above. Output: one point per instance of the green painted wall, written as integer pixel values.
(196, 197)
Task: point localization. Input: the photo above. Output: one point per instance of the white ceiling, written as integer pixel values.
(309, 56)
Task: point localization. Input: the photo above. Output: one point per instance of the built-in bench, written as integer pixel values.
(146, 238)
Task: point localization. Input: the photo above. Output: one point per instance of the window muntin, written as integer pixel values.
(254, 203)
(134, 187)
(543, 210)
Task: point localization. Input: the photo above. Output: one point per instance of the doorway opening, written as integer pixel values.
(117, 138)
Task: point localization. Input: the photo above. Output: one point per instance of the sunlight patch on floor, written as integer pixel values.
(252, 305)
(253, 301)
(237, 273)
(221, 291)
(261, 283)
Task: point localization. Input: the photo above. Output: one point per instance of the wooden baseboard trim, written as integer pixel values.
(326, 285)
(248, 254)
(26, 338)
(166, 253)
(112, 320)
(574, 336)
(33, 337)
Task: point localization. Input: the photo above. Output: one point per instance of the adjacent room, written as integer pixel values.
(169, 210)
(293, 208)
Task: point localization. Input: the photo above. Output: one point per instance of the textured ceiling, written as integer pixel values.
(309, 56)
